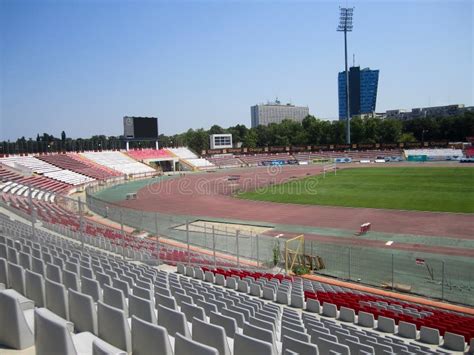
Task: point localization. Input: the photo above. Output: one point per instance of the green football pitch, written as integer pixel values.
(445, 189)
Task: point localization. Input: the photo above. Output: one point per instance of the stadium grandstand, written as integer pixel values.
(434, 154)
(190, 159)
(117, 161)
(259, 159)
(78, 272)
(56, 289)
(469, 152)
(226, 161)
(148, 154)
(75, 163)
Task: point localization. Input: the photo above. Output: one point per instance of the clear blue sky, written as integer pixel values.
(80, 66)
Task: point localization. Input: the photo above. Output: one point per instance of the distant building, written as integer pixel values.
(275, 112)
(221, 141)
(370, 115)
(401, 114)
(363, 86)
(434, 111)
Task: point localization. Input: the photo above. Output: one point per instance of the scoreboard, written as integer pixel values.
(140, 127)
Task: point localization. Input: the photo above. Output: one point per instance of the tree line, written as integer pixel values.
(311, 131)
(314, 131)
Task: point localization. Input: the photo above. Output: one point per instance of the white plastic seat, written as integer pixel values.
(113, 327)
(186, 346)
(114, 297)
(16, 325)
(173, 321)
(16, 276)
(82, 312)
(100, 347)
(245, 345)
(49, 326)
(148, 338)
(298, 346)
(56, 299)
(141, 308)
(35, 288)
(228, 323)
(211, 335)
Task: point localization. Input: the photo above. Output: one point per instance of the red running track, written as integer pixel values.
(208, 195)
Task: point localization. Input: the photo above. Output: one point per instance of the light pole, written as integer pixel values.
(345, 25)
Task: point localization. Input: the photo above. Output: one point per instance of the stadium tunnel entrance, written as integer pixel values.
(167, 164)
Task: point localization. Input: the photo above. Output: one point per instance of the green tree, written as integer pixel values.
(238, 132)
(357, 130)
(389, 131)
(407, 138)
(326, 128)
(197, 140)
(216, 129)
(338, 129)
(371, 130)
(250, 139)
(164, 140)
(293, 131)
(263, 134)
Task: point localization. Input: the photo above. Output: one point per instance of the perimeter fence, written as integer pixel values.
(436, 276)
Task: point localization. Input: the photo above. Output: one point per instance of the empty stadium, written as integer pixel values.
(106, 253)
(271, 177)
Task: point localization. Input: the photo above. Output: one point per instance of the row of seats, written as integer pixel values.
(146, 154)
(436, 154)
(73, 162)
(12, 192)
(282, 289)
(371, 155)
(65, 222)
(36, 183)
(197, 316)
(258, 159)
(397, 336)
(443, 321)
(200, 163)
(118, 161)
(28, 162)
(396, 310)
(93, 302)
(15, 183)
(181, 324)
(29, 165)
(469, 152)
(182, 153)
(93, 233)
(69, 177)
(225, 161)
(246, 274)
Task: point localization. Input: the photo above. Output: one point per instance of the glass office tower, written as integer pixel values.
(362, 91)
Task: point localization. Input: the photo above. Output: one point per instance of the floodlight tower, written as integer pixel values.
(345, 25)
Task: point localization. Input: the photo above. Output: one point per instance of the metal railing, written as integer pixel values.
(440, 277)
(436, 276)
(243, 247)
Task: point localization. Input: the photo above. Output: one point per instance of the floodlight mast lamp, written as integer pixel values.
(345, 25)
